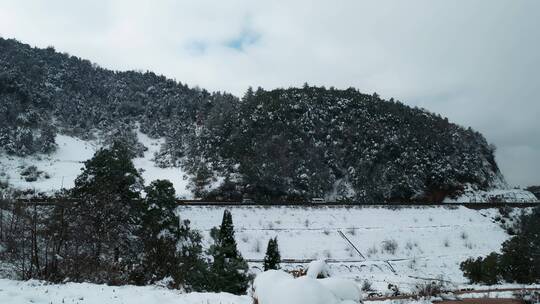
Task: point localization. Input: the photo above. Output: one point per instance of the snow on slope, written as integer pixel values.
(151, 172)
(496, 195)
(64, 165)
(19, 292)
(431, 241)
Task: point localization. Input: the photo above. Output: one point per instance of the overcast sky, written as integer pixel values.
(476, 62)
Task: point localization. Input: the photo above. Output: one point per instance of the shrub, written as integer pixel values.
(505, 211)
(257, 246)
(482, 270)
(527, 296)
(409, 245)
(372, 251)
(412, 264)
(366, 286)
(31, 173)
(519, 260)
(394, 289)
(389, 246)
(430, 289)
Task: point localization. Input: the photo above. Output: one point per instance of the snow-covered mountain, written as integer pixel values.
(285, 144)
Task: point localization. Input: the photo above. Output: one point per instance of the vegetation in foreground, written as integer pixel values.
(519, 260)
(112, 234)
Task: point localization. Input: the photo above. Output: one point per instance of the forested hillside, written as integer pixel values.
(295, 143)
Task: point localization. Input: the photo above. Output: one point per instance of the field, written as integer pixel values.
(401, 245)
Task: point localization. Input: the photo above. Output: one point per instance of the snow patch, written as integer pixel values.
(61, 168)
(151, 172)
(471, 195)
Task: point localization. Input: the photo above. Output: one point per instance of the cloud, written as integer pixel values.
(475, 62)
(197, 47)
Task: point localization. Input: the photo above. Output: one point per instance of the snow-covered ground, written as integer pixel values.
(430, 242)
(23, 292)
(39, 292)
(151, 172)
(62, 167)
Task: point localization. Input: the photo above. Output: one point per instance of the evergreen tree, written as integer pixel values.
(171, 248)
(272, 259)
(192, 270)
(103, 246)
(159, 232)
(229, 270)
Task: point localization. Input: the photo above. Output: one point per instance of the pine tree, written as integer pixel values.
(160, 231)
(171, 248)
(229, 270)
(105, 219)
(192, 272)
(272, 258)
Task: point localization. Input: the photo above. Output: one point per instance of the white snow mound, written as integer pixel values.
(279, 287)
(316, 268)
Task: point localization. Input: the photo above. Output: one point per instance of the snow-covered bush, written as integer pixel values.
(389, 246)
(318, 269)
(429, 289)
(518, 261)
(366, 286)
(32, 174)
(372, 251)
